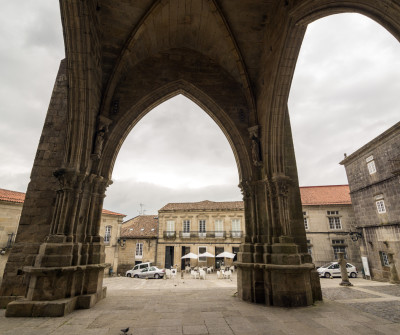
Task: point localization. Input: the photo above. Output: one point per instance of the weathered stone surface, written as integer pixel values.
(236, 60)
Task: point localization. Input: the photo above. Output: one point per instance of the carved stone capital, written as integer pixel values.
(282, 184)
(68, 179)
(246, 188)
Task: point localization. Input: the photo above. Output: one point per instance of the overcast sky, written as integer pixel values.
(345, 92)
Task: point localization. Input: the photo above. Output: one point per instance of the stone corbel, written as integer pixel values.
(256, 152)
(102, 130)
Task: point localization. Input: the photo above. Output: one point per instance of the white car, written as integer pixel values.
(137, 269)
(332, 269)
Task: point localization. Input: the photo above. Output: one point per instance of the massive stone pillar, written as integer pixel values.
(273, 264)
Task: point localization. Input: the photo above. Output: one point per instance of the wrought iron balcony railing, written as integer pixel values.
(202, 234)
(170, 234)
(236, 233)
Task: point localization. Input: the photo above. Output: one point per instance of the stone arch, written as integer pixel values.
(121, 130)
(385, 13)
(167, 74)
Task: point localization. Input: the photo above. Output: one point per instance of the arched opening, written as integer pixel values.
(343, 95)
(174, 153)
(176, 157)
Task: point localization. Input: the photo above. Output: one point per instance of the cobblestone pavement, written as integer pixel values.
(191, 306)
(379, 299)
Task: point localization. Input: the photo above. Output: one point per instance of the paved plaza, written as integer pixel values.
(193, 306)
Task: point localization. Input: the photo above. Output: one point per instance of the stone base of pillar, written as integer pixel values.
(56, 291)
(53, 308)
(278, 285)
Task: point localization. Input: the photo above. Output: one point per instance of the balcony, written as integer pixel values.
(236, 233)
(169, 234)
(202, 234)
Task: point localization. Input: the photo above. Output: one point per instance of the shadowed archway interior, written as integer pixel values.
(236, 60)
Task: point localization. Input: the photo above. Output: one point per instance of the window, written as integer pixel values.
(107, 235)
(380, 204)
(202, 228)
(334, 222)
(202, 250)
(170, 228)
(186, 226)
(337, 249)
(384, 258)
(219, 228)
(371, 164)
(305, 220)
(236, 232)
(337, 241)
(139, 250)
(309, 249)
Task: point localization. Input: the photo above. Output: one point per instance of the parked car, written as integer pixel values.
(151, 272)
(137, 269)
(332, 269)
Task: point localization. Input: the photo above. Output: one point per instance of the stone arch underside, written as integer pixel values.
(386, 13)
(236, 60)
(188, 73)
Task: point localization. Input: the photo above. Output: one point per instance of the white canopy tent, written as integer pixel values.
(226, 254)
(190, 255)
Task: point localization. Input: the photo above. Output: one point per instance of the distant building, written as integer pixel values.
(11, 203)
(199, 227)
(328, 220)
(373, 172)
(138, 242)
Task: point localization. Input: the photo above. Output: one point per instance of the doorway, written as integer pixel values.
(219, 261)
(186, 261)
(169, 257)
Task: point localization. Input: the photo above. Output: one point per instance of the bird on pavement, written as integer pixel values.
(125, 330)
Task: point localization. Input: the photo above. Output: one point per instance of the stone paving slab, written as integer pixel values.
(185, 306)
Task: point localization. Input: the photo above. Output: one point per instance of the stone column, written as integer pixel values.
(67, 274)
(394, 276)
(343, 270)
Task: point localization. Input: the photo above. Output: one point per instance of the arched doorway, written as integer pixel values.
(236, 61)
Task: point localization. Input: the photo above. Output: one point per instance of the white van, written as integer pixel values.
(137, 269)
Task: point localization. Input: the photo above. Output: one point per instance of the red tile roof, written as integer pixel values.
(204, 205)
(12, 196)
(106, 211)
(325, 195)
(142, 226)
(19, 197)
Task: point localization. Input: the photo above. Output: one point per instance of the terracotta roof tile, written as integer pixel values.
(19, 197)
(204, 205)
(140, 227)
(12, 196)
(325, 195)
(106, 211)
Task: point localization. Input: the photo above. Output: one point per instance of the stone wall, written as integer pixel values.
(380, 229)
(320, 235)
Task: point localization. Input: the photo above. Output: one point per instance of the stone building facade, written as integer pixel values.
(11, 203)
(328, 220)
(373, 172)
(198, 227)
(138, 242)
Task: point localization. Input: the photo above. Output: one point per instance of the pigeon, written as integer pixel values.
(125, 330)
